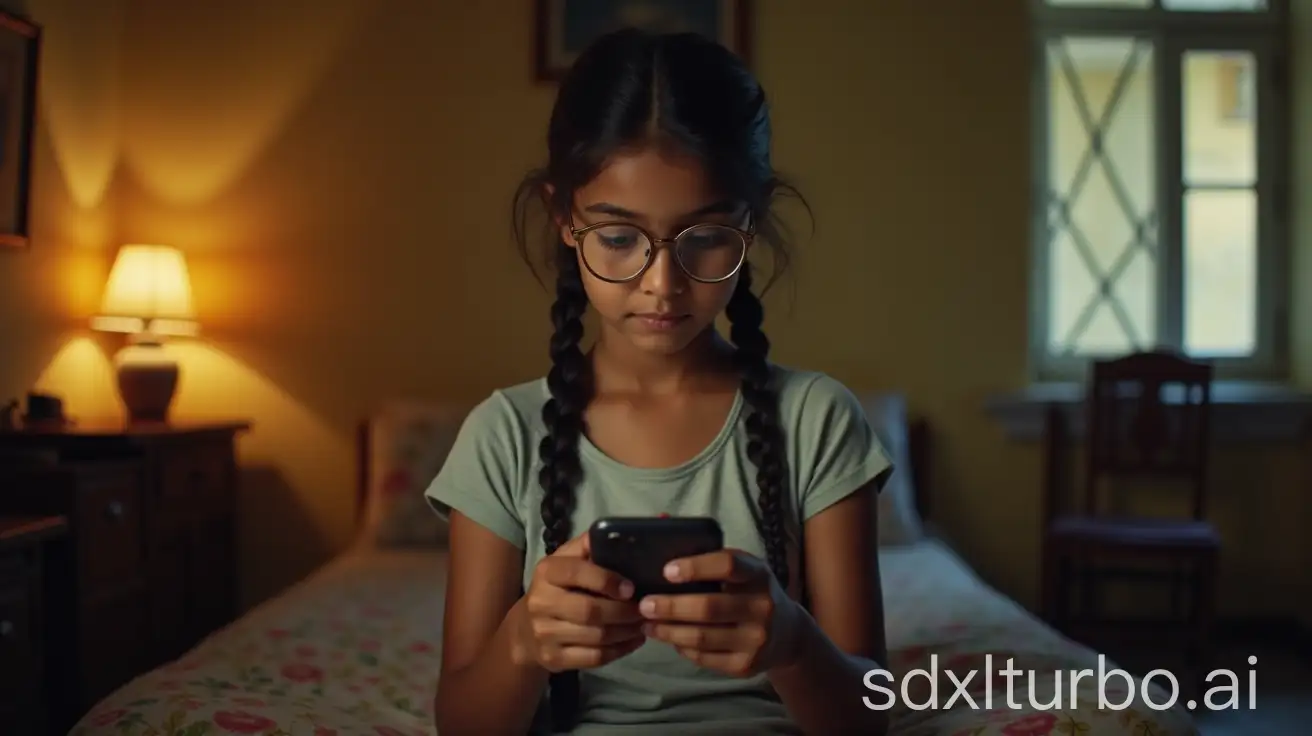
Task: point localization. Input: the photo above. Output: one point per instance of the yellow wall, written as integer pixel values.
(339, 175)
(47, 292)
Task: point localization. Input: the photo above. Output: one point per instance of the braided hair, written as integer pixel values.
(562, 414)
(765, 444)
(632, 87)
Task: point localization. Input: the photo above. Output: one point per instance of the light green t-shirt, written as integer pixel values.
(490, 476)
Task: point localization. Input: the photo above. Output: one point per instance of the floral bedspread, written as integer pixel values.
(354, 650)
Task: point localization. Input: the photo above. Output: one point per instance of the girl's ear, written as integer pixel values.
(562, 223)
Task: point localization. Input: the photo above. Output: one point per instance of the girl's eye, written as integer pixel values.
(618, 237)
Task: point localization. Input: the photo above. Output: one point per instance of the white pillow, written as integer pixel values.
(899, 522)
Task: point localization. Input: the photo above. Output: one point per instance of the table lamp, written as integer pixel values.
(148, 297)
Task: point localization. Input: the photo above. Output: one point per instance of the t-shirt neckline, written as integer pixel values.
(593, 453)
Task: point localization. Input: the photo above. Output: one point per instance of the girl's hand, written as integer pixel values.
(750, 627)
(576, 615)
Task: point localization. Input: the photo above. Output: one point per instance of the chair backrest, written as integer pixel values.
(1149, 416)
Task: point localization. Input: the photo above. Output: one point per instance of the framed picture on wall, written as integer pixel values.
(566, 27)
(20, 50)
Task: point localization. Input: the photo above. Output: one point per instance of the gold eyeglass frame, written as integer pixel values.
(748, 237)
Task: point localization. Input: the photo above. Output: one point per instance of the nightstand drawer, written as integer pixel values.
(109, 528)
(196, 475)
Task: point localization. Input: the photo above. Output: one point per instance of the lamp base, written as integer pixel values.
(147, 382)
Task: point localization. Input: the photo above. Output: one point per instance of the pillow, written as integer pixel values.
(407, 445)
(899, 522)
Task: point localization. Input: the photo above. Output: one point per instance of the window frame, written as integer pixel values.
(1265, 34)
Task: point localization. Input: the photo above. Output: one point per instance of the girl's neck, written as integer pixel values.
(620, 368)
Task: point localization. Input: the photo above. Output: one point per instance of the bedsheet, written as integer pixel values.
(942, 617)
(355, 650)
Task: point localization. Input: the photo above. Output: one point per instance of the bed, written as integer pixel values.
(355, 647)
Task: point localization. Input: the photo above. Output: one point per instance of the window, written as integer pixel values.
(1160, 183)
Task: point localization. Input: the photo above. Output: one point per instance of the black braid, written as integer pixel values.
(765, 445)
(563, 416)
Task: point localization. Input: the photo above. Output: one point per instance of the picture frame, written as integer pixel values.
(20, 54)
(565, 27)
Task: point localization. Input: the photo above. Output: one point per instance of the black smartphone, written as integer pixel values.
(639, 547)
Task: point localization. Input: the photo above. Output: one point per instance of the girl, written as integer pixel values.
(659, 185)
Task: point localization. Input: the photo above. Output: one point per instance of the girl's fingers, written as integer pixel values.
(581, 608)
(712, 638)
(568, 633)
(582, 658)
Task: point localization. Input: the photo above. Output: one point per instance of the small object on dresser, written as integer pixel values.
(44, 410)
(9, 415)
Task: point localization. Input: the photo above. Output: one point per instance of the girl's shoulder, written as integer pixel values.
(812, 394)
(509, 416)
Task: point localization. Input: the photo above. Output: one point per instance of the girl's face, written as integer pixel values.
(662, 193)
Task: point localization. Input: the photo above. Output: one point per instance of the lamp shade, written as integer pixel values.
(149, 291)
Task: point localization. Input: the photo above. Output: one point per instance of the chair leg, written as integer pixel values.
(1090, 594)
(1053, 592)
(1046, 581)
(1179, 579)
(1202, 652)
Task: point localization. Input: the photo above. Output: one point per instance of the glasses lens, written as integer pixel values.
(615, 252)
(711, 252)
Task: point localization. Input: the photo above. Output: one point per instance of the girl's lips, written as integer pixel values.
(659, 322)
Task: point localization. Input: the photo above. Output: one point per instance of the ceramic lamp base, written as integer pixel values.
(147, 381)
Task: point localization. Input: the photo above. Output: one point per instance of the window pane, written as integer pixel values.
(1220, 119)
(1214, 5)
(1103, 272)
(1220, 272)
(1100, 3)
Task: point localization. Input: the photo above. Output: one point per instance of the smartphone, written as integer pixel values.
(639, 547)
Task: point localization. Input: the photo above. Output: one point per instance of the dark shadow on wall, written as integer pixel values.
(269, 515)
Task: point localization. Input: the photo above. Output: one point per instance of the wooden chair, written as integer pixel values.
(1147, 418)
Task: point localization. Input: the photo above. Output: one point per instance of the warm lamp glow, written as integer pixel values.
(149, 291)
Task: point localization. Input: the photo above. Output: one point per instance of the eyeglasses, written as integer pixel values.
(619, 251)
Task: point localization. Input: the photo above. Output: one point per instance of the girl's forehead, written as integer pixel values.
(652, 182)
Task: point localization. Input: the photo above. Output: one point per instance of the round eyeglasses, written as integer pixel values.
(619, 251)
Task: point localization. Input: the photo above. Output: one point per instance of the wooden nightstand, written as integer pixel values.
(150, 564)
(23, 634)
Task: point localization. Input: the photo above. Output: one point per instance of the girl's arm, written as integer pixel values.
(844, 638)
(485, 685)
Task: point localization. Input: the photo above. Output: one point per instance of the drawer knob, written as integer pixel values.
(6, 629)
(114, 510)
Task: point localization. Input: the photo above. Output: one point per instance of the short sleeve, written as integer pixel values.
(480, 474)
(837, 450)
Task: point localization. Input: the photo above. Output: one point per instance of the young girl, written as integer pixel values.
(659, 185)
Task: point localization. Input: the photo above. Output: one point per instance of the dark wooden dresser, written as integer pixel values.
(148, 566)
(23, 545)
